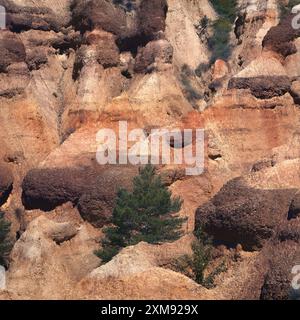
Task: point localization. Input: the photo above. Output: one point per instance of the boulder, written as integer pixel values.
(46, 188)
(262, 87)
(26, 15)
(152, 16)
(12, 50)
(140, 27)
(14, 74)
(239, 214)
(280, 38)
(88, 15)
(106, 48)
(92, 190)
(159, 51)
(265, 77)
(96, 208)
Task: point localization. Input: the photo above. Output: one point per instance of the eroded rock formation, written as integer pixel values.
(70, 68)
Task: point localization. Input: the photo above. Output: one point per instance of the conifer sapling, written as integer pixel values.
(148, 213)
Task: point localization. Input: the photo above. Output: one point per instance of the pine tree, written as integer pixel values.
(5, 244)
(148, 213)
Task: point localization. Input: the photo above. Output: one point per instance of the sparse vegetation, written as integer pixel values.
(195, 266)
(191, 93)
(202, 68)
(202, 27)
(148, 213)
(219, 42)
(5, 243)
(202, 252)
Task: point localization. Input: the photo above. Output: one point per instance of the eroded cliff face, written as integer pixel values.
(69, 68)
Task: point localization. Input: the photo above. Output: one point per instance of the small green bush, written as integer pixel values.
(202, 253)
(225, 8)
(194, 266)
(5, 243)
(219, 42)
(191, 93)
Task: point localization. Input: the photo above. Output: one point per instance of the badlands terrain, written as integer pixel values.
(71, 67)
